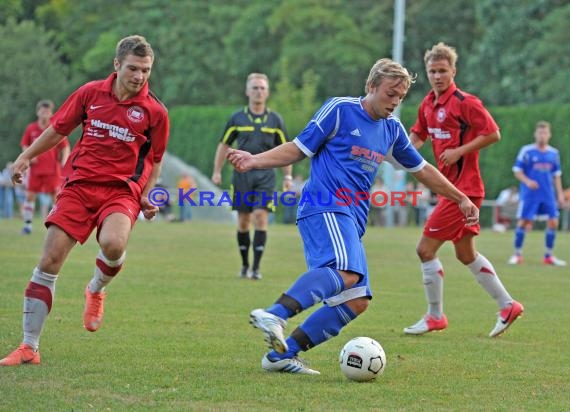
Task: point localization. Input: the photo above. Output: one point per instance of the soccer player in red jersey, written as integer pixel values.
(108, 177)
(458, 126)
(45, 169)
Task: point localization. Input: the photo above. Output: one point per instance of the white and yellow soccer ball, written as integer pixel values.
(362, 359)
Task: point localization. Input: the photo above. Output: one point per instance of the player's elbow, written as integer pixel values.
(495, 137)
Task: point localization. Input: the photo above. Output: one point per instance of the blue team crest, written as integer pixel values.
(441, 115)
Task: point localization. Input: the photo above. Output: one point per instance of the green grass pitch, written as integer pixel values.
(176, 335)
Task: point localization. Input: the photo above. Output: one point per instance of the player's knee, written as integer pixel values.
(350, 279)
(466, 257)
(113, 249)
(424, 253)
(358, 305)
(51, 262)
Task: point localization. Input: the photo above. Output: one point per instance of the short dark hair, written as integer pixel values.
(136, 45)
(45, 103)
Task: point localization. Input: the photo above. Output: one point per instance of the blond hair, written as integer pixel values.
(441, 51)
(542, 125)
(388, 68)
(261, 76)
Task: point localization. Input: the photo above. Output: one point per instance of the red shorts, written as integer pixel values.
(82, 207)
(44, 183)
(447, 222)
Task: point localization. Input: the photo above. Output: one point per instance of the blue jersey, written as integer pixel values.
(346, 146)
(540, 166)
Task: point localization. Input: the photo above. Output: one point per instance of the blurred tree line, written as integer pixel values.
(511, 52)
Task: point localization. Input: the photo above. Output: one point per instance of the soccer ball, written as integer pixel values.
(362, 359)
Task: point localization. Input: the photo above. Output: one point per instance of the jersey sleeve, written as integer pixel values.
(320, 128)
(230, 132)
(71, 113)
(556, 169)
(402, 154)
(26, 138)
(521, 160)
(159, 133)
(478, 117)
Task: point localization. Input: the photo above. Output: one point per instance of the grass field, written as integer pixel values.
(176, 335)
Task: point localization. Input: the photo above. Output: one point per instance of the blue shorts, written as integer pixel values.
(331, 240)
(529, 210)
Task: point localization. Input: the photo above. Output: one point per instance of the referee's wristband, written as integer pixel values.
(287, 177)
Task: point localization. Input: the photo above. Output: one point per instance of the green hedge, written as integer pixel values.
(196, 130)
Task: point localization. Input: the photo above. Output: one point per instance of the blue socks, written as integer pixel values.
(549, 237)
(519, 238)
(312, 287)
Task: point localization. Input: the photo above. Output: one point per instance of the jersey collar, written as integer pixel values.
(444, 97)
(108, 87)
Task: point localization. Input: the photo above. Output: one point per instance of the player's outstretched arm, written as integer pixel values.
(439, 184)
(279, 156)
(48, 139)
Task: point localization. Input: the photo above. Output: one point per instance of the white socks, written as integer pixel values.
(38, 299)
(432, 272)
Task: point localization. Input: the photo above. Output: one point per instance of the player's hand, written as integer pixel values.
(18, 169)
(216, 178)
(470, 211)
(287, 184)
(450, 156)
(241, 160)
(532, 184)
(149, 210)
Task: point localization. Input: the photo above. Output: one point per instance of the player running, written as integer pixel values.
(109, 174)
(458, 126)
(347, 139)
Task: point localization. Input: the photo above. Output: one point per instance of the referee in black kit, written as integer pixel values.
(256, 129)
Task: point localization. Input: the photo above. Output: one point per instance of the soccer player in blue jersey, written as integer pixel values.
(538, 169)
(346, 140)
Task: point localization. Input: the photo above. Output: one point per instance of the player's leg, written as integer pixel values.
(526, 213)
(260, 223)
(263, 186)
(550, 235)
(487, 277)
(244, 242)
(113, 236)
(331, 241)
(323, 324)
(39, 296)
(441, 226)
(241, 204)
(28, 210)
(432, 276)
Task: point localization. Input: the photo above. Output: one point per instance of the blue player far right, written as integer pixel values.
(538, 169)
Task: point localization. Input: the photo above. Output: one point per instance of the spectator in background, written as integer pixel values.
(290, 211)
(506, 208)
(422, 207)
(6, 193)
(538, 169)
(45, 169)
(380, 198)
(185, 183)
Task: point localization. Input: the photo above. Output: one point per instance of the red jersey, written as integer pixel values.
(454, 120)
(47, 163)
(120, 140)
